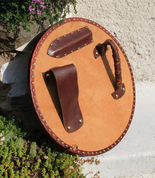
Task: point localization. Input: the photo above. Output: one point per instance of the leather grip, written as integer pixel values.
(119, 86)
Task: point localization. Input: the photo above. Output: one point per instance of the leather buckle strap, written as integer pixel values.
(67, 88)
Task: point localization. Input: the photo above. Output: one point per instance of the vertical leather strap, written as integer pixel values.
(67, 87)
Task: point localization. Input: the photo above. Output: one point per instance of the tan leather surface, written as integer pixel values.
(105, 118)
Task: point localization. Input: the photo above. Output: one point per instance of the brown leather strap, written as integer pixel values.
(67, 87)
(119, 86)
(70, 42)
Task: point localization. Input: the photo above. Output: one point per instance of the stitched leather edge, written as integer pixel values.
(73, 148)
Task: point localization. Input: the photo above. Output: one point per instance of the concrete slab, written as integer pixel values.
(135, 154)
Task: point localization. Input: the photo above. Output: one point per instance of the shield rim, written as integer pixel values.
(70, 148)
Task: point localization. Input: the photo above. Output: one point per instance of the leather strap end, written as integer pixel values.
(68, 92)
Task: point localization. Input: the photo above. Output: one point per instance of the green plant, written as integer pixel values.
(25, 13)
(22, 158)
(33, 151)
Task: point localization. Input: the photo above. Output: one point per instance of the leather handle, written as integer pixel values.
(119, 86)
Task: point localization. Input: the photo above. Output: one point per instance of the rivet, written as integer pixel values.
(58, 139)
(51, 44)
(57, 38)
(92, 40)
(85, 44)
(71, 33)
(47, 34)
(73, 19)
(64, 36)
(123, 89)
(77, 19)
(64, 54)
(33, 90)
(49, 130)
(48, 53)
(68, 127)
(96, 152)
(37, 108)
(66, 145)
(36, 52)
(116, 96)
(62, 142)
(53, 28)
(80, 121)
(40, 114)
(56, 56)
(69, 19)
(78, 30)
(38, 47)
(53, 135)
(47, 75)
(50, 30)
(86, 27)
(43, 38)
(83, 152)
(92, 152)
(32, 76)
(78, 47)
(96, 53)
(71, 51)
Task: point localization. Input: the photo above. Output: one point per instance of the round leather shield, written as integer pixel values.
(82, 86)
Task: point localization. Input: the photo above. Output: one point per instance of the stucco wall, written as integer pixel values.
(132, 22)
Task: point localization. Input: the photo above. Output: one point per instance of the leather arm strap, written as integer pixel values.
(67, 87)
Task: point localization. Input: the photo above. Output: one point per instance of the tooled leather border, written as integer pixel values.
(34, 99)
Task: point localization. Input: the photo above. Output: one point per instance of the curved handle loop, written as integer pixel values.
(119, 86)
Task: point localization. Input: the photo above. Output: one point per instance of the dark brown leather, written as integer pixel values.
(69, 43)
(119, 87)
(67, 87)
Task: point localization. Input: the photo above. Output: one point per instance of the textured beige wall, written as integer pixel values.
(132, 22)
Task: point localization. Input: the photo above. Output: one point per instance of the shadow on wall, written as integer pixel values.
(16, 71)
